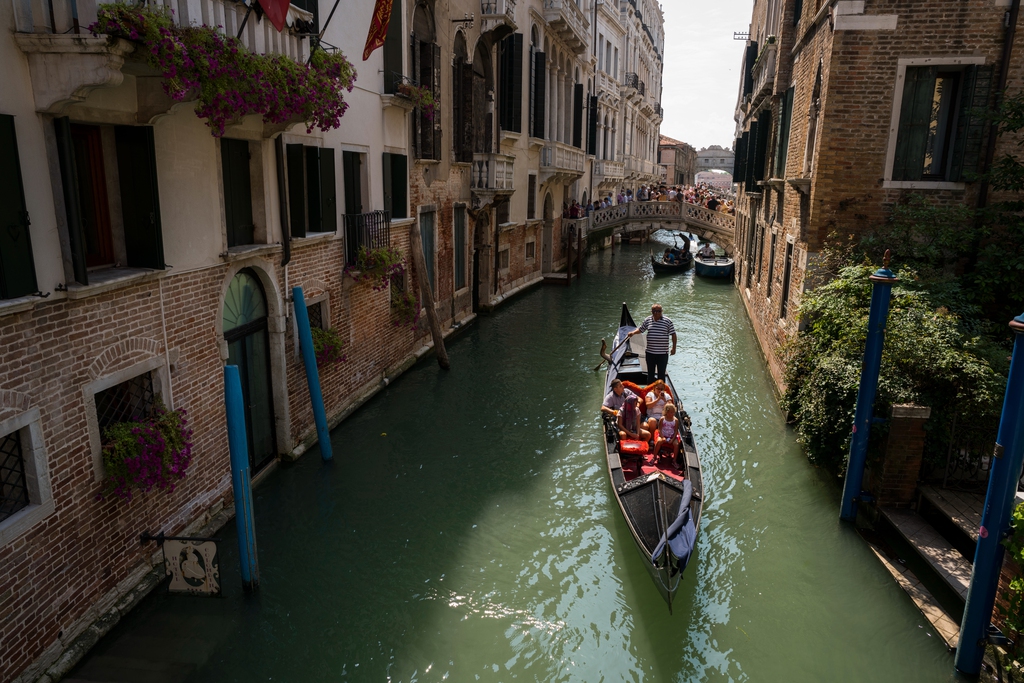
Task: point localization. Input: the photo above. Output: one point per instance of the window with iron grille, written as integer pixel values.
(316, 315)
(13, 486)
(501, 212)
(129, 401)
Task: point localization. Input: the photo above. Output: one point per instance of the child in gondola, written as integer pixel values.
(669, 431)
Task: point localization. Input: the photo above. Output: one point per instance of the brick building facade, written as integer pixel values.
(679, 160)
(836, 123)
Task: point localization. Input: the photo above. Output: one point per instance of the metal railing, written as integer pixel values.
(371, 230)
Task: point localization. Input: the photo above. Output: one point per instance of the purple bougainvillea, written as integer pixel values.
(154, 452)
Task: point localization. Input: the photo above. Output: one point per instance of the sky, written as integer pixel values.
(702, 69)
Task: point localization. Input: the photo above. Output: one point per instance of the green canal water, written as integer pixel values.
(466, 532)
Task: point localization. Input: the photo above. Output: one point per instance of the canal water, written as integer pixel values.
(466, 532)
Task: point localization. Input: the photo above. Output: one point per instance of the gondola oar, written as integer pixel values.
(608, 357)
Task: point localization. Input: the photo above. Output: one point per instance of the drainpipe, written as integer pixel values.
(1004, 73)
(282, 203)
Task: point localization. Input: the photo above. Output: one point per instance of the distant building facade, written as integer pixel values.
(835, 123)
(679, 159)
(715, 158)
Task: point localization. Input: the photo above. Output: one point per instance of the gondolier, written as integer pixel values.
(659, 330)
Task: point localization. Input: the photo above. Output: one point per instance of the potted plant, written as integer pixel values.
(421, 97)
(376, 266)
(154, 452)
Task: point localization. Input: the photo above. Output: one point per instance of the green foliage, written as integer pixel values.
(327, 346)
(377, 266)
(931, 357)
(1014, 611)
(406, 309)
(151, 453)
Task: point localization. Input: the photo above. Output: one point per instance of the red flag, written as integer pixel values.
(276, 11)
(378, 27)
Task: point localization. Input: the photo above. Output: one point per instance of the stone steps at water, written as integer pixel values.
(951, 566)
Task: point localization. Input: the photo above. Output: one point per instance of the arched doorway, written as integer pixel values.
(549, 225)
(246, 332)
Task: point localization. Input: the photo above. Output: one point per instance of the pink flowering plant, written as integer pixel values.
(327, 346)
(421, 97)
(376, 266)
(229, 81)
(405, 307)
(154, 452)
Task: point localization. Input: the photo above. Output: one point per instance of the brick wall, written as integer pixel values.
(893, 480)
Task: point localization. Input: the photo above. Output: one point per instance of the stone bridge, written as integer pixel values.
(650, 216)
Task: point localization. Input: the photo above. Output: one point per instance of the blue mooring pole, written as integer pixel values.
(882, 281)
(995, 519)
(238, 444)
(323, 435)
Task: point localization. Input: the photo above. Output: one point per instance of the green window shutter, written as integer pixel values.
(540, 91)
(415, 48)
(399, 186)
(592, 126)
(531, 107)
(915, 117)
(427, 233)
(393, 49)
(971, 123)
(782, 140)
(435, 125)
(17, 268)
(748, 166)
(297, 190)
(739, 158)
(748, 68)
(460, 247)
(69, 181)
(388, 189)
(328, 191)
(140, 196)
(234, 156)
(516, 106)
(353, 185)
(313, 195)
(764, 122)
(577, 116)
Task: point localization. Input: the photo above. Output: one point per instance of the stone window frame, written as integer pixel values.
(28, 425)
(504, 254)
(894, 123)
(531, 240)
(161, 390)
(263, 232)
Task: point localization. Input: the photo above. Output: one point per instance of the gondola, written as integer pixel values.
(660, 500)
(684, 258)
(719, 266)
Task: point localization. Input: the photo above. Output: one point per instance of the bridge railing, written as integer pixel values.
(681, 212)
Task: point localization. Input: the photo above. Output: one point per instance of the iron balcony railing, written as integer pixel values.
(371, 230)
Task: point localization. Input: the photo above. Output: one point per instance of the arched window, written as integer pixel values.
(244, 302)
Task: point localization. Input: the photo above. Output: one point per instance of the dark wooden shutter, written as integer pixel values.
(399, 186)
(915, 117)
(782, 139)
(739, 158)
(971, 123)
(313, 194)
(140, 196)
(297, 190)
(417, 120)
(435, 125)
(540, 82)
(531, 91)
(388, 188)
(764, 122)
(328, 191)
(353, 183)
(505, 83)
(516, 105)
(17, 268)
(592, 126)
(393, 50)
(426, 77)
(577, 116)
(748, 68)
(234, 155)
(69, 180)
(748, 166)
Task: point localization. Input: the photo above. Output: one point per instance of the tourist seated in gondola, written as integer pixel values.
(631, 423)
(667, 435)
(656, 399)
(707, 251)
(668, 257)
(615, 398)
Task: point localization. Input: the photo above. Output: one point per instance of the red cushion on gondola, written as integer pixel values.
(633, 447)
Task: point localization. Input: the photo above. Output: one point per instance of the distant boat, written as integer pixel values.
(660, 500)
(684, 262)
(719, 266)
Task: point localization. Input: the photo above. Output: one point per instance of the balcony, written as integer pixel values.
(371, 230)
(491, 177)
(561, 161)
(607, 84)
(498, 16)
(633, 86)
(763, 73)
(609, 173)
(66, 62)
(568, 21)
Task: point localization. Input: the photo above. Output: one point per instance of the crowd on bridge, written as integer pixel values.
(701, 194)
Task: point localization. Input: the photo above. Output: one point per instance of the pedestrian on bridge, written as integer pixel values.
(659, 330)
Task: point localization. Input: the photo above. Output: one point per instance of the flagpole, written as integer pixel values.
(245, 19)
(320, 35)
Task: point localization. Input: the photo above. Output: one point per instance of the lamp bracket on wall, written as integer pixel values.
(466, 21)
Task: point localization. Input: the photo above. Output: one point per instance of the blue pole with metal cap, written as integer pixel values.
(238, 445)
(995, 519)
(882, 281)
(312, 374)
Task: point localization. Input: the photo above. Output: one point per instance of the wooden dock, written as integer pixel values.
(948, 563)
(963, 509)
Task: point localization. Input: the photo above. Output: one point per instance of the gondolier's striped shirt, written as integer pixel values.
(659, 333)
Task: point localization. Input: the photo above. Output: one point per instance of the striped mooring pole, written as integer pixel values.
(323, 435)
(238, 445)
(882, 281)
(995, 518)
